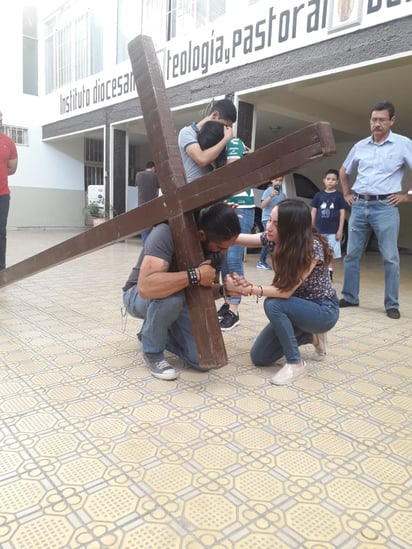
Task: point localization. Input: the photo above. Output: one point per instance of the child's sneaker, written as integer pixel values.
(229, 321)
(263, 265)
(222, 312)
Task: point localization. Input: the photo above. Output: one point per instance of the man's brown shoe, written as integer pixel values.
(393, 313)
(344, 303)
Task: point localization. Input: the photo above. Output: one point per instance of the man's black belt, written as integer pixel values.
(372, 196)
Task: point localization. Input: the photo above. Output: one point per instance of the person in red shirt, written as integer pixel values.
(8, 166)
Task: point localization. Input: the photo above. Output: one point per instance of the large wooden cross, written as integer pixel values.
(180, 199)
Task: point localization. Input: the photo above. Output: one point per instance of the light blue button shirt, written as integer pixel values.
(380, 167)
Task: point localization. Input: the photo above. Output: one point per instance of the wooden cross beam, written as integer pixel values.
(180, 199)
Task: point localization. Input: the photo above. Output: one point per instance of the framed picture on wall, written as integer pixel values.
(344, 14)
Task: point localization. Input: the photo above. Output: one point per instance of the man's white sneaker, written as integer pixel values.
(160, 368)
(289, 373)
(320, 342)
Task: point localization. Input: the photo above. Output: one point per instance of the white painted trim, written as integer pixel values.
(77, 132)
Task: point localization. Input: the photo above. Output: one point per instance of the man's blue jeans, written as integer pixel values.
(166, 326)
(383, 219)
(233, 259)
(4, 212)
(264, 250)
(292, 323)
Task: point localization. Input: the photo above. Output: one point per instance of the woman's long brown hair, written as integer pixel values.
(293, 252)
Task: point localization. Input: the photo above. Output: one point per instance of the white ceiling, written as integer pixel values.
(344, 99)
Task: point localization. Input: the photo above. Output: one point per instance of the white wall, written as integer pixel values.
(57, 165)
(47, 188)
(46, 208)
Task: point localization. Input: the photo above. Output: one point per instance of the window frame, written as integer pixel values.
(18, 134)
(73, 44)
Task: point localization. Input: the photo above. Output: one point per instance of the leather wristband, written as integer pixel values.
(192, 276)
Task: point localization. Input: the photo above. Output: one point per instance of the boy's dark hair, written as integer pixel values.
(149, 165)
(332, 171)
(219, 222)
(225, 108)
(384, 106)
(209, 135)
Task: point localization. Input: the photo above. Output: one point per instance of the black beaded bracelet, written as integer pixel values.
(192, 276)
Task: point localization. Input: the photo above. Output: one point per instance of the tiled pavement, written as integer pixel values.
(95, 453)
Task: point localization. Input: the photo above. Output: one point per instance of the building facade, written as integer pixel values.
(69, 98)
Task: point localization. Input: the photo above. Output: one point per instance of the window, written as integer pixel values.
(132, 164)
(133, 18)
(19, 135)
(30, 51)
(207, 12)
(82, 61)
(63, 56)
(93, 175)
(191, 14)
(129, 25)
(93, 150)
(73, 45)
(93, 162)
(171, 19)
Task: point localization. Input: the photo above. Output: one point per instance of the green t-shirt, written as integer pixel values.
(235, 149)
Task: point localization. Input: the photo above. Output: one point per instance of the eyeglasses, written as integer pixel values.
(380, 120)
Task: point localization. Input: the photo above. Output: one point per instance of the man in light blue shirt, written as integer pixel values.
(379, 162)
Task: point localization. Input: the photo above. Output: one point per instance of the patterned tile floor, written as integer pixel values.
(96, 453)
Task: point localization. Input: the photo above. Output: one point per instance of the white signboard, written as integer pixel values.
(270, 28)
(265, 29)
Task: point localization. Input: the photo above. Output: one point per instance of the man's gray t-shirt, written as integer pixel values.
(158, 244)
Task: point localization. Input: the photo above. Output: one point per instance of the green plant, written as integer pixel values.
(94, 210)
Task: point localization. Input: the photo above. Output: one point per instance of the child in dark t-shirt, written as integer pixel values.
(328, 213)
